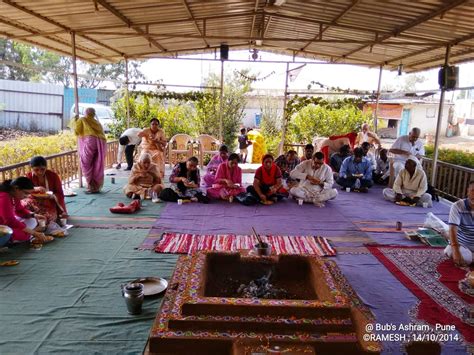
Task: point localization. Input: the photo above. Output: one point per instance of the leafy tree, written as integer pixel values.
(317, 120)
(55, 68)
(271, 124)
(208, 109)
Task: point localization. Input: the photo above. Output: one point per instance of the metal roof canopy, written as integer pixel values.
(362, 32)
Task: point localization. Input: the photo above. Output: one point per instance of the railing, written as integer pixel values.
(66, 165)
(451, 180)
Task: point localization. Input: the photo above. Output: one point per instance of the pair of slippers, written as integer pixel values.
(133, 207)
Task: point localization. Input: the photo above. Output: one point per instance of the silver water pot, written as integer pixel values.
(133, 294)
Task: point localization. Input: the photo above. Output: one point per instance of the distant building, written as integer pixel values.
(261, 102)
(398, 116)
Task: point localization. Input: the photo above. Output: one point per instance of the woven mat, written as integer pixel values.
(190, 243)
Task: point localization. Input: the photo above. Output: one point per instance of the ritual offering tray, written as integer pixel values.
(228, 303)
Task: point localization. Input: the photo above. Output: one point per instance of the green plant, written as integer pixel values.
(325, 120)
(270, 126)
(452, 156)
(23, 149)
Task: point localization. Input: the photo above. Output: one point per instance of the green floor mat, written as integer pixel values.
(66, 297)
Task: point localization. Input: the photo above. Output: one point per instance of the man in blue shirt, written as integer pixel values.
(461, 229)
(356, 172)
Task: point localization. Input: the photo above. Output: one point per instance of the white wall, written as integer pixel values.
(31, 106)
(425, 116)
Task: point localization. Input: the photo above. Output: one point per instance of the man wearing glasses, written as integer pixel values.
(316, 180)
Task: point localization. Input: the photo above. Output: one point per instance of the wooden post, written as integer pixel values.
(377, 100)
(285, 99)
(127, 98)
(438, 124)
(221, 105)
(76, 96)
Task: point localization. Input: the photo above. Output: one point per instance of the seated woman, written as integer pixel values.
(185, 179)
(17, 217)
(213, 164)
(48, 196)
(144, 178)
(267, 184)
(228, 180)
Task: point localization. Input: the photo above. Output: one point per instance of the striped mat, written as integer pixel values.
(177, 243)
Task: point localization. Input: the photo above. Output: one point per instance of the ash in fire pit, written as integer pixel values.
(262, 288)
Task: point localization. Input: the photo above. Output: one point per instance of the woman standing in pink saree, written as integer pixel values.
(228, 181)
(92, 146)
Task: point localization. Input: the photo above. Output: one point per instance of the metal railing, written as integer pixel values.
(66, 165)
(451, 180)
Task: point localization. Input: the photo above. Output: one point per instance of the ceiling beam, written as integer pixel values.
(125, 20)
(440, 11)
(441, 57)
(57, 24)
(188, 9)
(334, 21)
(37, 44)
(453, 42)
(254, 18)
(22, 27)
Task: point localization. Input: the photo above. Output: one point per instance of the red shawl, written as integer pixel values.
(54, 185)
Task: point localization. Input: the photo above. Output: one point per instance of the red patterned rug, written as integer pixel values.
(190, 243)
(433, 278)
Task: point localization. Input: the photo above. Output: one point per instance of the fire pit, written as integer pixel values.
(227, 303)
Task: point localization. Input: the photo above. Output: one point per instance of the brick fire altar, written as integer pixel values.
(310, 308)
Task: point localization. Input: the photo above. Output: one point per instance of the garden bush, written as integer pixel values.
(23, 149)
(452, 156)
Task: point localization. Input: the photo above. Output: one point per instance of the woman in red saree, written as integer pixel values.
(47, 198)
(228, 180)
(267, 184)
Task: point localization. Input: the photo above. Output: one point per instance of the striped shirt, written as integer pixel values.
(462, 216)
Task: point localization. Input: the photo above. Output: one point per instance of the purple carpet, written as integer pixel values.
(339, 221)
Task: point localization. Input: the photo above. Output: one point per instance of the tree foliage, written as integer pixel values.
(271, 124)
(192, 113)
(325, 121)
(53, 68)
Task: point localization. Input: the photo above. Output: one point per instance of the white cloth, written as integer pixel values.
(390, 194)
(403, 143)
(309, 192)
(383, 167)
(133, 139)
(414, 186)
(372, 160)
(466, 254)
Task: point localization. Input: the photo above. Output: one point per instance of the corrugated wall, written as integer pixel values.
(85, 95)
(31, 106)
(104, 96)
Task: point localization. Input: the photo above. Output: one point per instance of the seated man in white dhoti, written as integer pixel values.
(410, 185)
(316, 180)
(405, 146)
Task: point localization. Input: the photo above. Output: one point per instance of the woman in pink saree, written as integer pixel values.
(211, 168)
(92, 146)
(228, 181)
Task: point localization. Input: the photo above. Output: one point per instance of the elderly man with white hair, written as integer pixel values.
(366, 135)
(405, 146)
(410, 185)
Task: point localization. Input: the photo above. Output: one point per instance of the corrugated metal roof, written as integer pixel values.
(365, 32)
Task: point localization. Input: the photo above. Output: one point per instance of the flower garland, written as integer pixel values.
(172, 95)
(340, 90)
(254, 78)
(297, 103)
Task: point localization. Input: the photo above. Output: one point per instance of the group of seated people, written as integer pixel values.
(33, 205)
(307, 178)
